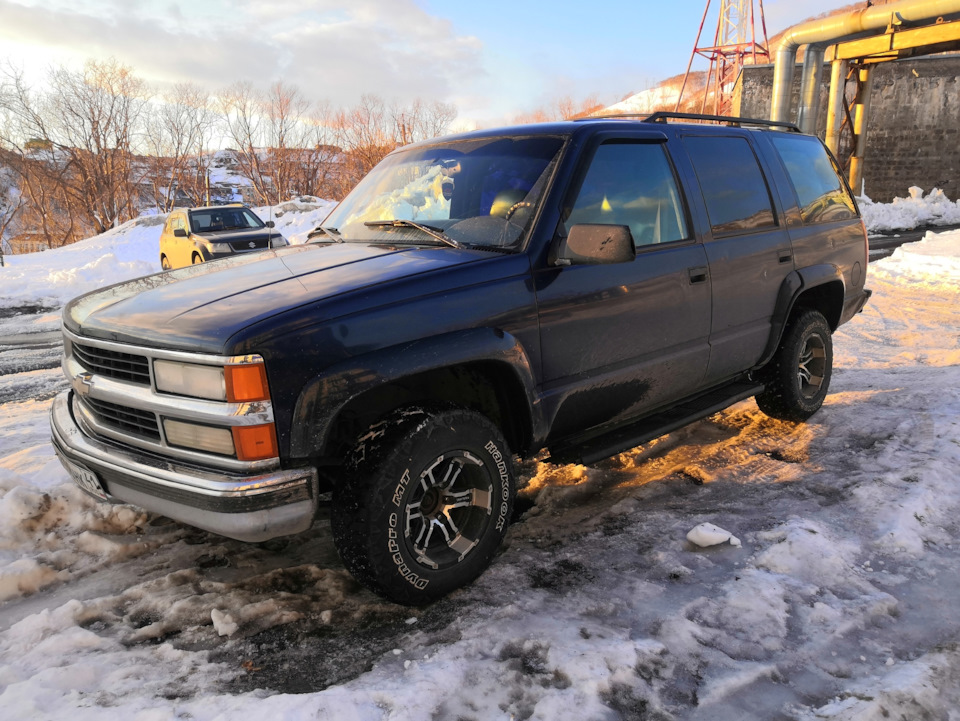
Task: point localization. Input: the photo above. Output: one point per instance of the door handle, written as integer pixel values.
(698, 274)
(784, 256)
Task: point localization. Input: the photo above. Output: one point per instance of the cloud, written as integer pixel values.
(333, 50)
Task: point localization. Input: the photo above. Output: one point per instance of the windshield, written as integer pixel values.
(214, 219)
(477, 192)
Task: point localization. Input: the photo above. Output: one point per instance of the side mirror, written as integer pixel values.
(179, 233)
(269, 223)
(595, 244)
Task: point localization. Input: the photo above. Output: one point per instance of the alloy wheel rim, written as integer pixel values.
(449, 510)
(811, 366)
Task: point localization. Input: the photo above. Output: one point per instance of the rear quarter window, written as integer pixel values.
(816, 181)
(734, 189)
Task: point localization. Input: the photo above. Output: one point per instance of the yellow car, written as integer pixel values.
(196, 235)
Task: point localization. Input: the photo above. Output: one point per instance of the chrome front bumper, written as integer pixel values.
(254, 507)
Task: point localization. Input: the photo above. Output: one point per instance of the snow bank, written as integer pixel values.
(908, 213)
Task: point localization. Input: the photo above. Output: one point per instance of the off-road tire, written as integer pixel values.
(165, 263)
(798, 377)
(425, 504)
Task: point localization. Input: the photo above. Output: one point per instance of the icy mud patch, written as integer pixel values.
(30, 351)
(35, 375)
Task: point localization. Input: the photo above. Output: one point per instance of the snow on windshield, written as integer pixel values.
(421, 199)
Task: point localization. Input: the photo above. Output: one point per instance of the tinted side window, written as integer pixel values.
(733, 185)
(815, 179)
(632, 184)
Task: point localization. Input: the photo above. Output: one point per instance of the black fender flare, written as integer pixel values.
(325, 395)
(794, 285)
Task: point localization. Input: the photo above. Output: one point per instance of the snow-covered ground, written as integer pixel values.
(839, 602)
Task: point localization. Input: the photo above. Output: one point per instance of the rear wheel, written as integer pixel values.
(798, 377)
(426, 503)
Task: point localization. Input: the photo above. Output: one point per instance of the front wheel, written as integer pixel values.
(426, 503)
(799, 375)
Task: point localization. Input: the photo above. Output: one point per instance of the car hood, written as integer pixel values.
(200, 307)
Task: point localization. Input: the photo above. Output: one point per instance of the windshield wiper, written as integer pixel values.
(332, 233)
(428, 229)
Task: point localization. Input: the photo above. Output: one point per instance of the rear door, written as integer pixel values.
(747, 245)
(620, 339)
(826, 227)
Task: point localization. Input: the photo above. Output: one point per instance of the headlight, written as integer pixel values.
(190, 379)
(278, 242)
(241, 383)
(246, 443)
(219, 247)
(199, 438)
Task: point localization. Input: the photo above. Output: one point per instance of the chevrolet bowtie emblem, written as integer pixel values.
(86, 383)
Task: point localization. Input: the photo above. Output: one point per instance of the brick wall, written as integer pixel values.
(913, 134)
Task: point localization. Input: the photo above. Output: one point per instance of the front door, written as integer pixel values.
(618, 340)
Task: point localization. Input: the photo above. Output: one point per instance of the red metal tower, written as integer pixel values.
(734, 45)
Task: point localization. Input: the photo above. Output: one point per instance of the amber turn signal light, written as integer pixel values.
(255, 443)
(246, 383)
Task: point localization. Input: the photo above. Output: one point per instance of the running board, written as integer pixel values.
(627, 437)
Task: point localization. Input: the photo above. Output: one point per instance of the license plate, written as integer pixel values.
(85, 478)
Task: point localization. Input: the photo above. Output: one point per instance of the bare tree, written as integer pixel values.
(370, 130)
(11, 199)
(421, 121)
(240, 107)
(178, 132)
(316, 157)
(565, 108)
(87, 122)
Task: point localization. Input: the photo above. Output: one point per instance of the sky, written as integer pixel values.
(493, 59)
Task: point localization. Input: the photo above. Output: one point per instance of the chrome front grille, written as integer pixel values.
(113, 364)
(114, 398)
(129, 420)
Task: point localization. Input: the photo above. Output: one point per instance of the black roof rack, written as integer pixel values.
(663, 116)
